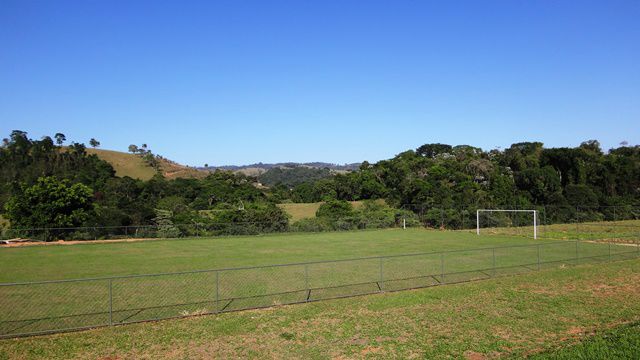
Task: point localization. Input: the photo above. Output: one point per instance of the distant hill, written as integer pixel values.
(287, 173)
(132, 165)
(262, 167)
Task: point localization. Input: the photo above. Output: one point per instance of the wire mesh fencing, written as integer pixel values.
(54, 306)
(613, 223)
(177, 231)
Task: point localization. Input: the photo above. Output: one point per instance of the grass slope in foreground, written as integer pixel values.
(508, 317)
(622, 342)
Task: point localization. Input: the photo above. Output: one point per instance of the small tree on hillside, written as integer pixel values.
(94, 143)
(335, 209)
(133, 148)
(60, 138)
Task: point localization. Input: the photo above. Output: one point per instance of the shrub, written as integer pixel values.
(335, 209)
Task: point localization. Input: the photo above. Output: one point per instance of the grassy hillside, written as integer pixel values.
(299, 211)
(125, 164)
(133, 166)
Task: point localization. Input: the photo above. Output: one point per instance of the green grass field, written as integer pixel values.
(45, 307)
(34, 263)
(624, 231)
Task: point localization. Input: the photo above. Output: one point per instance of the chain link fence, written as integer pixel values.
(54, 306)
(176, 231)
(613, 223)
(610, 223)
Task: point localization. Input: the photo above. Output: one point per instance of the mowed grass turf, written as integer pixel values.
(627, 231)
(506, 317)
(69, 305)
(35, 263)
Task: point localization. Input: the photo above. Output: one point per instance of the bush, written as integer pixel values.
(335, 209)
(311, 225)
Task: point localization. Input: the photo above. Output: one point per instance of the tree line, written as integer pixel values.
(46, 184)
(525, 175)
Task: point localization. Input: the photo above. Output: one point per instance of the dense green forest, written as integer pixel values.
(293, 176)
(44, 183)
(437, 178)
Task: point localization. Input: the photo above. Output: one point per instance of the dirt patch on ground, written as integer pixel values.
(575, 330)
(372, 350)
(74, 242)
(628, 286)
(358, 341)
(472, 355)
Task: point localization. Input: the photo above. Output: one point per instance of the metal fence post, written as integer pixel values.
(442, 267)
(609, 251)
(544, 221)
(381, 277)
(577, 222)
(110, 301)
(306, 280)
(217, 291)
(494, 261)
(538, 257)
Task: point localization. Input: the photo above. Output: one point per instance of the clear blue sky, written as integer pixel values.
(232, 82)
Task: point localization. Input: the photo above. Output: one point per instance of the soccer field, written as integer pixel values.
(55, 262)
(197, 276)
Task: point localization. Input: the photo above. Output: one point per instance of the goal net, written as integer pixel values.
(507, 222)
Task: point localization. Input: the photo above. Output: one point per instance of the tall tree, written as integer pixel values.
(50, 203)
(60, 138)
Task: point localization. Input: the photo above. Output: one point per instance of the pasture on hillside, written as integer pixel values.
(133, 166)
(299, 211)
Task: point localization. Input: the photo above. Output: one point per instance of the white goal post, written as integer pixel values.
(535, 218)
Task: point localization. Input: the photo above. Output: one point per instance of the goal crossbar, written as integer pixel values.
(535, 218)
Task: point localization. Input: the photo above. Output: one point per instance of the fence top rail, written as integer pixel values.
(617, 223)
(104, 278)
(506, 210)
(144, 226)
